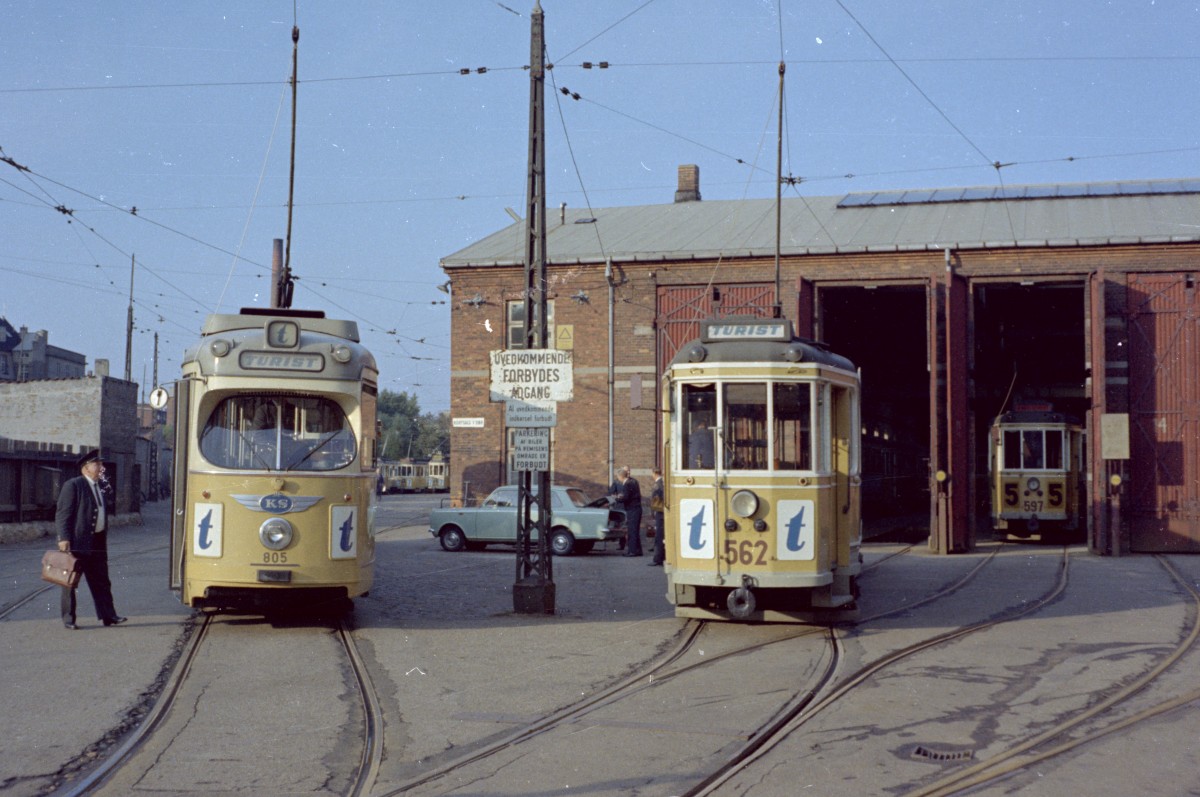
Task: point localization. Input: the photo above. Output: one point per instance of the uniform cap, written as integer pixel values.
(91, 456)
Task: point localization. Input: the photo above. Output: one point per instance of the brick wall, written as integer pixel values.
(80, 414)
(581, 452)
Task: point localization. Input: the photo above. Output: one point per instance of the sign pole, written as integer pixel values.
(533, 591)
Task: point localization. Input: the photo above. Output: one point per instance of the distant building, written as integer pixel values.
(952, 301)
(26, 355)
(60, 419)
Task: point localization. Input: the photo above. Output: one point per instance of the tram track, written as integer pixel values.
(780, 718)
(839, 690)
(1026, 753)
(11, 606)
(1090, 723)
(112, 774)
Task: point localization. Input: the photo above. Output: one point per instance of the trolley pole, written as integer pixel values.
(533, 591)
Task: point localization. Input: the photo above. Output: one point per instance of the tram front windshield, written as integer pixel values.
(763, 426)
(265, 432)
(1033, 449)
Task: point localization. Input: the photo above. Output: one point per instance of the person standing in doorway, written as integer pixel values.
(656, 510)
(629, 496)
(81, 520)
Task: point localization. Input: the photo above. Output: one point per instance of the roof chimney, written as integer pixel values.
(689, 183)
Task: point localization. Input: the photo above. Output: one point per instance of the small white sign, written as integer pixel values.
(523, 414)
(531, 449)
(467, 423)
(208, 530)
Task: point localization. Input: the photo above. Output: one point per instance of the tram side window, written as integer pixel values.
(699, 405)
(745, 440)
(791, 427)
(1012, 450)
(255, 432)
(1054, 449)
(1031, 449)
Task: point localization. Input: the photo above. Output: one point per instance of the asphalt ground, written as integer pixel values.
(457, 666)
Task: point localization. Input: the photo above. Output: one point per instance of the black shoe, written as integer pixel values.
(70, 626)
(654, 564)
(116, 621)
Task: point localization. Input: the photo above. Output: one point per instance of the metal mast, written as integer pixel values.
(533, 591)
(129, 323)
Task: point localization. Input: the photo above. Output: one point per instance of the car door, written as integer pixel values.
(496, 520)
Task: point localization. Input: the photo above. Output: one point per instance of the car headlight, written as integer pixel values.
(275, 533)
(1033, 485)
(744, 503)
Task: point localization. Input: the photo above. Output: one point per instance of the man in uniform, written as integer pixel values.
(84, 507)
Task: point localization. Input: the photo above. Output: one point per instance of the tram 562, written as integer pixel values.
(274, 471)
(761, 445)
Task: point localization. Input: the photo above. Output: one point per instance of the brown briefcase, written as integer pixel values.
(62, 568)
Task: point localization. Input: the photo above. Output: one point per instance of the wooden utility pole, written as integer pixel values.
(129, 324)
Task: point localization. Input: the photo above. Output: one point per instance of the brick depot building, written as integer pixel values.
(953, 302)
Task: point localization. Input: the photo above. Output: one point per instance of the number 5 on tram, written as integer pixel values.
(761, 446)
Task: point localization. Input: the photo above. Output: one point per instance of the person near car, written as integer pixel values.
(656, 509)
(629, 495)
(85, 505)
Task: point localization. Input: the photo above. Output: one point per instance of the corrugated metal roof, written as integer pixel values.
(1091, 214)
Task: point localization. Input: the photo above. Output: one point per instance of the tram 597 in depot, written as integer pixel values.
(1037, 471)
(762, 483)
(275, 446)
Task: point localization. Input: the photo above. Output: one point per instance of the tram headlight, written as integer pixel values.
(275, 533)
(1033, 485)
(219, 347)
(744, 503)
(341, 354)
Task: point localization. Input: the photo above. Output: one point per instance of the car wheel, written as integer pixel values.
(452, 538)
(562, 542)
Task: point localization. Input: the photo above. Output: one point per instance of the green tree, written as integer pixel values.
(408, 433)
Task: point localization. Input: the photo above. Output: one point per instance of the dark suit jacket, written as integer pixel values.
(75, 519)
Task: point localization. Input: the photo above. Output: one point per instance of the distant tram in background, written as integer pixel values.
(1037, 471)
(761, 435)
(274, 478)
(410, 475)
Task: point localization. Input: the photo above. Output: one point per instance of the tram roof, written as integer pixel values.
(1062, 215)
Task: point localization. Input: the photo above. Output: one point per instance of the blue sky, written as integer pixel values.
(183, 111)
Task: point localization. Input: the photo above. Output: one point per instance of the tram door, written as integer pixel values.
(179, 480)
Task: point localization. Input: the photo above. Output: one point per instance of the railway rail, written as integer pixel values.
(128, 763)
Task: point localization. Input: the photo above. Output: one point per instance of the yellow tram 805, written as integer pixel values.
(1037, 471)
(762, 483)
(275, 444)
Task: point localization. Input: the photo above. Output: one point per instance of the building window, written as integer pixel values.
(516, 324)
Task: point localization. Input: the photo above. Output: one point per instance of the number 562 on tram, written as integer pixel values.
(274, 473)
(762, 482)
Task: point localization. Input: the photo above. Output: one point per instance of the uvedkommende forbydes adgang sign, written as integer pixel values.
(531, 382)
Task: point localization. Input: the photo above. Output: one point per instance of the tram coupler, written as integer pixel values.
(741, 602)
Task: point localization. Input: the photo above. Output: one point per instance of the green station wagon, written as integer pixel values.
(577, 522)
